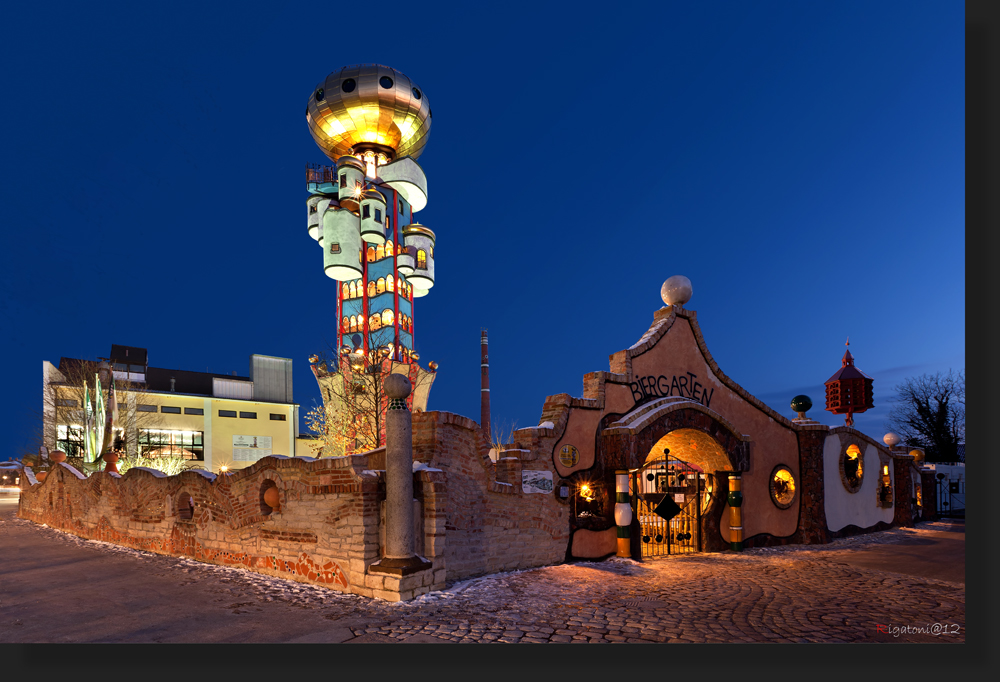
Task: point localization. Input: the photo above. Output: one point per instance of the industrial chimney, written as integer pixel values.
(485, 400)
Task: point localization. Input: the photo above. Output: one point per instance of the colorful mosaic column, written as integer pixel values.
(735, 513)
(623, 513)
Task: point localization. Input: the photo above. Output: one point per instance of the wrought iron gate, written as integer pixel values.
(671, 486)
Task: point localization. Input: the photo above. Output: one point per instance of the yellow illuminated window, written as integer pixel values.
(371, 289)
(347, 324)
(360, 289)
(388, 246)
(388, 283)
(354, 323)
(346, 290)
(371, 254)
(387, 317)
(350, 291)
(379, 252)
(361, 323)
(421, 259)
(380, 286)
(375, 322)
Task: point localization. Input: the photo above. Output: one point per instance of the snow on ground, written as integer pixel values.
(273, 588)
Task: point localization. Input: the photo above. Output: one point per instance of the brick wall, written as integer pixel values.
(489, 523)
(473, 517)
(325, 529)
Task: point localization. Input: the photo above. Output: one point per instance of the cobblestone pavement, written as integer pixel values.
(785, 594)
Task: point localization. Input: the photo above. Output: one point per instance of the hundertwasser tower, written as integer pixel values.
(373, 123)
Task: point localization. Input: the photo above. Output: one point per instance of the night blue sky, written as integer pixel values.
(801, 163)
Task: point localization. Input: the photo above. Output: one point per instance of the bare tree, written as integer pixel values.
(929, 413)
(64, 407)
(352, 417)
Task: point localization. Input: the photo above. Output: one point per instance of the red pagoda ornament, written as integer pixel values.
(849, 391)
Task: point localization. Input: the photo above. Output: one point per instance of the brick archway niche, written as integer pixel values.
(693, 433)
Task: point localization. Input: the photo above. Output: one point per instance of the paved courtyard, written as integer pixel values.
(903, 585)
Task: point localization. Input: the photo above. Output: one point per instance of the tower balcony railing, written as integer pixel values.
(320, 174)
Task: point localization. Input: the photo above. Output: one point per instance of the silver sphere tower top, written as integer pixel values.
(676, 290)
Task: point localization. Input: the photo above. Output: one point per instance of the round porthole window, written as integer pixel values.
(348, 85)
(416, 93)
(385, 82)
(852, 469)
(319, 95)
(782, 487)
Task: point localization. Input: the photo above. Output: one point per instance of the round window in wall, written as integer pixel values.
(852, 468)
(348, 85)
(569, 456)
(782, 487)
(385, 82)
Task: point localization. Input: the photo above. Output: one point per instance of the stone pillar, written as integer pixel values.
(400, 558)
(928, 494)
(735, 513)
(902, 493)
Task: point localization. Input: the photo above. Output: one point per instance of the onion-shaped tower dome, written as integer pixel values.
(421, 238)
(341, 245)
(369, 108)
(373, 217)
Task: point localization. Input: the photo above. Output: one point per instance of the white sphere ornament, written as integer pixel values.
(890, 439)
(676, 290)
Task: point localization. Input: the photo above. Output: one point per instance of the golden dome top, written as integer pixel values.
(368, 103)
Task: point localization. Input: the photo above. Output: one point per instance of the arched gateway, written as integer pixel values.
(680, 455)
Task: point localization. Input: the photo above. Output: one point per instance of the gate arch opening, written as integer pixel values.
(676, 491)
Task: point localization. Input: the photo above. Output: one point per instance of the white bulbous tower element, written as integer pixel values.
(676, 290)
(341, 245)
(373, 217)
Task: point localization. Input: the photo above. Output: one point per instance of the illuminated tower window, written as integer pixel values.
(347, 289)
(354, 323)
(388, 283)
(371, 289)
(347, 324)
(361, 323)
(351, 291)
(421, 259)
(387, 317)
(371, 254)
(380, 287)
(379, 252)
(375, 322)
